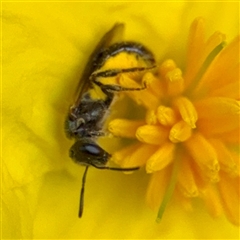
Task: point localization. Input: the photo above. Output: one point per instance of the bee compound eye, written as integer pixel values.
(91, 149)
(80, 151)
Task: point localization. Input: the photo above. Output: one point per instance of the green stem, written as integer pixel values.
(204, 67)
(170, 188)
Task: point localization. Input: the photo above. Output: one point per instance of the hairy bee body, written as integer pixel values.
(87, 115)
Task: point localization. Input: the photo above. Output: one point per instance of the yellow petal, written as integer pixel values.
(141, 97)
(151, 117)
(202, 181)
(218, 106)
(172, 76)
(175, 82)
(157, 187)
(186, 180)
(195, 49)
(225, 158)
(119, 156)
(223, 70)
(139, 157)
(235, 156)
(199, 55)
(229, 190)
(218, 115)
(228, 90)
(202, 152)
(187, 111)
(213, 41)
(231, 137)
(153, 84)
(217, 126)
(124, 128)
(166, 115)
(186, 202)
(166, 66)
(151, 134)
(211, 199)
(161, 158)
(180, 132)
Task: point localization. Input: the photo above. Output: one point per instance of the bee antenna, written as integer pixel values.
(82, 193)
(115, 168)
(123, 169)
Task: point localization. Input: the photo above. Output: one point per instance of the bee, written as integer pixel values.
(86, 117)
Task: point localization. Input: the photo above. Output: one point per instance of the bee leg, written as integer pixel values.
(97, 133)
(115, 72)
(107, 88)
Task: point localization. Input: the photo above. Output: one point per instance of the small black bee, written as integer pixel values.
(86, 117)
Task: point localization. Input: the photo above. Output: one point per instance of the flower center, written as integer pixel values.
(189, 138)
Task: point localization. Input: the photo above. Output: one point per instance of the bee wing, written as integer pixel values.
(113, 35)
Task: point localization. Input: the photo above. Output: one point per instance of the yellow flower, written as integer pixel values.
(45, 48)
(189, 141)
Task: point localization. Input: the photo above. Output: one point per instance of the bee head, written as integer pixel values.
(87, 153)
